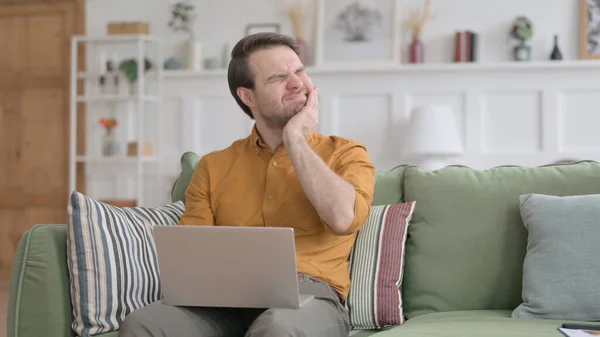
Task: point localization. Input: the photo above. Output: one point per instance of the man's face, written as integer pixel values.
(280, 85)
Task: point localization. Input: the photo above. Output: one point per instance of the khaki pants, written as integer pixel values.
(324, 316)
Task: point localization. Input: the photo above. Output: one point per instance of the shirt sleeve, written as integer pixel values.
(354, 166)
(197, 198)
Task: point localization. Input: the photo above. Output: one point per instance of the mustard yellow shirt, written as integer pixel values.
(246, 184)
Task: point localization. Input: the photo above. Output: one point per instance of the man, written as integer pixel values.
(283, 174)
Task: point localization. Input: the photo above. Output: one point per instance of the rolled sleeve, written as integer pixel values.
(354, 166)
(197, 198)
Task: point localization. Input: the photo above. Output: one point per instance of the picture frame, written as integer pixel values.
(253, 28)
(358, 32)
(589, 29)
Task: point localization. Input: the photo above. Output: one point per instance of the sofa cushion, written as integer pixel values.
(561, 272)
(467, 242)
(477, 323)
(112, 260)
(376, 263)
(388, 186)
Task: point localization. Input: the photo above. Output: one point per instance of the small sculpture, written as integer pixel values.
(556, 54)
(522, 30)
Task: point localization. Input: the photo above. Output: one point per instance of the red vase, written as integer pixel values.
(416, 52)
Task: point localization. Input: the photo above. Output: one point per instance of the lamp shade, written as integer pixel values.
(433, 130)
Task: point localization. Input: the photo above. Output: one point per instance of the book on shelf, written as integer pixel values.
(466, 45)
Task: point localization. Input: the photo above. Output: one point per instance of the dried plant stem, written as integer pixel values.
(297, 15)
(417, 19)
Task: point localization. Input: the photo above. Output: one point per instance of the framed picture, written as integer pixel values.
(262, 27)
(589, 29)
(352, 32)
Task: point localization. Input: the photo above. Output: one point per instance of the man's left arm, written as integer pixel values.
(343, 195)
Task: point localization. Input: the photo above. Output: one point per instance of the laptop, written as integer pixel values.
(222, 266)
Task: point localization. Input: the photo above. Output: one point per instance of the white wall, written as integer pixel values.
(516, 114)
(224, 21)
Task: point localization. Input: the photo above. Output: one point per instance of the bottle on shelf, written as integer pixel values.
(111, 79)
(556, 53)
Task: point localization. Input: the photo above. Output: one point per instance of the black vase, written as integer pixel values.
(556, 54)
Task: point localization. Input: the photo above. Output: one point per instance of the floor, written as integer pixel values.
(3, 304)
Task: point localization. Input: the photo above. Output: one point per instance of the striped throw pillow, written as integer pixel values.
(112, 260)
(376, 268)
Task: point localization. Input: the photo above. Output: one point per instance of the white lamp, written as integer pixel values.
(433, 136)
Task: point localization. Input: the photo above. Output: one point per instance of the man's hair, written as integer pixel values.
(239, 74)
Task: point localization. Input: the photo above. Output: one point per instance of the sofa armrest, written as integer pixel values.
(39, 300)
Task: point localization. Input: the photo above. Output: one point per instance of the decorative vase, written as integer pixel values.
(303, 46)
(556, 54)
(109, 143)
(416, 51)
(194, 59)
(133, 88)
(522, 52)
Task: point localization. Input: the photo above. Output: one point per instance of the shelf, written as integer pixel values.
(140, 46)
(126, 38)
(116, 98)
(95, 75)
(115, 159)
(427, 67)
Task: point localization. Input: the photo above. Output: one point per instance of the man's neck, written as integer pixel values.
(272, 138)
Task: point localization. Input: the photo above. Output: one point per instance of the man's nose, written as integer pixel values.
(294, 82)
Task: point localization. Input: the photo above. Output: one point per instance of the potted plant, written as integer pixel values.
(129, 68)
(109, 141)
(182, 19)
(522, 30)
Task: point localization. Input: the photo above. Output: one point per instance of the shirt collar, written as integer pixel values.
(258, 144)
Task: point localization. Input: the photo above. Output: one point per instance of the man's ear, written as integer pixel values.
(247, 96)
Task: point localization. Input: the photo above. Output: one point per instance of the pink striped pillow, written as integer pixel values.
(376, 268)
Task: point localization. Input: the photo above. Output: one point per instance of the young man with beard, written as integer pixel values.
(283, 174)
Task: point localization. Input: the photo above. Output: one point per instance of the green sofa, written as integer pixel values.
(464, 259)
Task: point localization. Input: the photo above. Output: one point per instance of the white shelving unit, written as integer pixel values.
(139, 102)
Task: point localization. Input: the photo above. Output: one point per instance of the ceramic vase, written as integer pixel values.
(522, 53)
(416, 51)
(194, 55)
(109, 143)
(303, 48)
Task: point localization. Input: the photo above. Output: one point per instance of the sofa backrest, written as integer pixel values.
(388, 185)
(39, 298)
(466, 240)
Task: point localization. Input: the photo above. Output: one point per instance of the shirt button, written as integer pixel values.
(271, 197)
(274, 163)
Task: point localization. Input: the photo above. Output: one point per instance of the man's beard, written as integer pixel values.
(277, 120)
